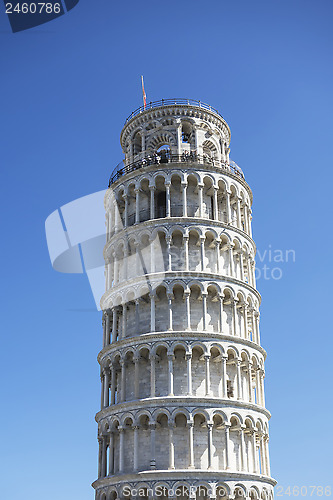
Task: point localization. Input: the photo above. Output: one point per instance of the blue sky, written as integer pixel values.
(67, 88)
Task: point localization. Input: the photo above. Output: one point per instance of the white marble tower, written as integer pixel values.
(182, 368)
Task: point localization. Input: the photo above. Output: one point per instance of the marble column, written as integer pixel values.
(168, 242)
(227, 446)
(239, 381)
(152, 254)
(207, 375)
(200, 188)
(114, 324)
(215, 215)
(168, 200)
(242, 447)
(123, 333)
(113, 384)
(103, 468)
(111, 453)
(126, 210)
(204, 311)
(170, 374)
(249, 374)
(107, 327)
(228, 209)
(106, 387)
(152, 446)
(262, 392)
(210, 445)
(186, 263)
(136, 360)
(268, 469)
(234, 317)
(255, 452)
(136, 448)
(123, 380)
(238, 209)
(187, 294)
(137, 315)
(231, 260)
(202, 253)
(188, 357)
(184, 198)
(224, 376)
(256, 316)
(169, 297)
(190, 426)
(137, 206)
(152, 202)
(102, 390)
(152, 312)
(221, 297)
(217, 249)
(100, 456)
(152, 375)
(171, 448)
(246, 335)
(258, 388)
(121, 449)
(241, 264)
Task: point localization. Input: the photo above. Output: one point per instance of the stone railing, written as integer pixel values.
(171, 102)
(165, 156)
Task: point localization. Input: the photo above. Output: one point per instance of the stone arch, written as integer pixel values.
(220, 413)
(181, 489)
(210, 148)
(127, 419)
(158, 345)
(162, 489)
(180, 411)
(200, 345)
(254, 493)
(161, 139)
(178, 343)
(223, 491)
(235, 419)
(240, 490)
(219, 347)
(112, 494)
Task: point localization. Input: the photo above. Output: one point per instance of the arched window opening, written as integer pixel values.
(164, 153)
(186, 133)
(137, 144)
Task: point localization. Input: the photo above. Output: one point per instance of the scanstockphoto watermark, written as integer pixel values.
(181, 491)
(270, 262)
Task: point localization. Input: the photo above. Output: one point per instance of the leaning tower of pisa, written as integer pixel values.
(182, 368)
